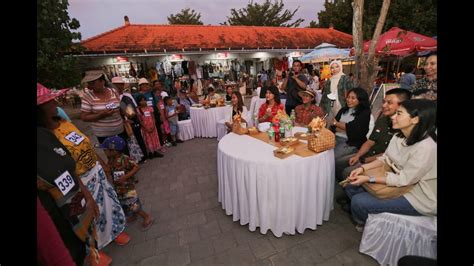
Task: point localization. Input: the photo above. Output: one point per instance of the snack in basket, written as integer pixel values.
(289, 141)
(284, 150)
(317, 124)
(344, 182)
(253, 130)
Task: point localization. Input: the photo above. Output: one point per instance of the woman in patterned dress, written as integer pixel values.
(110, 224)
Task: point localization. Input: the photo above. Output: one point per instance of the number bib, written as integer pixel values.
(110, 106)
(65, 182)
(149, 103)
(118, 174)
(146, 113)
(74, 138)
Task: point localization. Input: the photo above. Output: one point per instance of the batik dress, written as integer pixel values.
(111, 220)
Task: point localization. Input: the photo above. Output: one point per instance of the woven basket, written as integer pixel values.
(238, 129)
(322, 141)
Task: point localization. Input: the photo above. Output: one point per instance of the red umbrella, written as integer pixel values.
(401, 42)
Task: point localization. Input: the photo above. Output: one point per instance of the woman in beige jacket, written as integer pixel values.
(412, 153)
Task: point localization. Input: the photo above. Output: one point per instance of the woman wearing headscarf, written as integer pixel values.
(110, 223)
(335, 90)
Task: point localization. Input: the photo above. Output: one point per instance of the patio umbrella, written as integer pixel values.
(325, 52)
(401, 42)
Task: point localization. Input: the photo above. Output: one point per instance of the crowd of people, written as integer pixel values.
(86, 201)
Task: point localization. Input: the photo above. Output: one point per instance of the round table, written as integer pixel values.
(274, 194)
(205, 120)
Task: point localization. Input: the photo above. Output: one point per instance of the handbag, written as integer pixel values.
(382, 191)
(321, 141)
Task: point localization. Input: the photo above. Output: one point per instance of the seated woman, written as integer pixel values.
(270, 108)
(238, 108)
(352, 123)
(228, 96)
(413, 150)
(306, 111)
(212, 95)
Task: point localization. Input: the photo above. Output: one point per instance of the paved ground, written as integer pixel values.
(180, 192)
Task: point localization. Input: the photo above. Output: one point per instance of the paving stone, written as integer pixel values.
(262, 248)
(194, 197)
(166, 242)
(160, 259)
(209, 229)
(196, 219)
(179, 256)
(223, 242)
(200, 250)
(240, 255)
(144, 250)
(188, 235)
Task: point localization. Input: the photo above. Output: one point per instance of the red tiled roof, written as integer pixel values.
(136, 37)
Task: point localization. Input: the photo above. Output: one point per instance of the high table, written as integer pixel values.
(274, 194)
(204, 120)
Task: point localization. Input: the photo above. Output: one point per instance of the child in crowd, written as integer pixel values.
(148, 128)
(171, 112)
(123, 170)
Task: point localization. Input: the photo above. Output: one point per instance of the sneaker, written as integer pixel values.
(179, 141)
(167, 144)
(173, 143)
(359, 228)
(157, 154)
(122, 239)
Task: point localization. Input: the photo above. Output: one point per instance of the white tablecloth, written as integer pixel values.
(388, 237)
(205, 120)
(255, 104)
(271, 193)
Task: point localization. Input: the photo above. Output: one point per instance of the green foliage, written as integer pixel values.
(266, 14)
(54, 39)
(419, 16)
(186, 17)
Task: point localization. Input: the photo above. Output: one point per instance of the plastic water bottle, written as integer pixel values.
(282, 131)
(277, 132)
(292, 117)
(271, 133)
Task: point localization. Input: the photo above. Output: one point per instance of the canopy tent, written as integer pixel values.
(325, 52)
(401, 42)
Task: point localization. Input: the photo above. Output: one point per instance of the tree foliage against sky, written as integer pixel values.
(54, 38)
(419, 16)
(265, 14)
(186, 16)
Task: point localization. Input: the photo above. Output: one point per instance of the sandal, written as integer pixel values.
(148, 225)
(122, 239)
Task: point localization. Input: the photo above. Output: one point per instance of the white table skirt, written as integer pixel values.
(274, 194)
(388, 237)
(255, 104)
(205, 120)
(186, 130)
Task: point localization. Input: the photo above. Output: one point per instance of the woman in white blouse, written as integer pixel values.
(413, 152)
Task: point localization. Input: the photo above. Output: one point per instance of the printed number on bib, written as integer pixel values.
(65, 182)
(149, 103)
(118, 174)
(146, 113)
(111, 106)
(74, 138)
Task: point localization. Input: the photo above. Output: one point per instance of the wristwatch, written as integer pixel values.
(371, 179)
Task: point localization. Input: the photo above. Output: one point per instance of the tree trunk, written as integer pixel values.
(368, 67)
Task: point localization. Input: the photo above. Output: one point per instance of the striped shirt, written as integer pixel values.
(108, 126)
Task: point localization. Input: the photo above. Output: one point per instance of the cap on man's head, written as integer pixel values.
(142, 81)
(113, 143)
(117, 80)
(92, 75)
